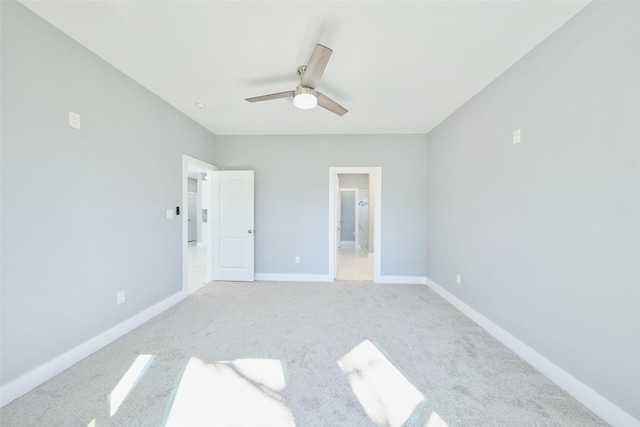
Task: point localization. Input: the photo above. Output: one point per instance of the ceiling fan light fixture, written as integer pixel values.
(305, 98)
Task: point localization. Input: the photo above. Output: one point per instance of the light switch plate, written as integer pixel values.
(169, 213)
(516, 136)
(74, 120)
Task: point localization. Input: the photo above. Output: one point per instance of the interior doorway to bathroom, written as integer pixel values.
(355, 223)
(197, 202)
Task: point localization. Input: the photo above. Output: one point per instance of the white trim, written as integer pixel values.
(376, 173)
(39, 375)
(188, 161)
(276, 277)
(403, 280)
(347, 244)
(602, 407)
(370, 255)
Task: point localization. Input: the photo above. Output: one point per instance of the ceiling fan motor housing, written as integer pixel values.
(305, 98)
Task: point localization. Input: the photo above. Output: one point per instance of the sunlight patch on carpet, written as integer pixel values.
(435, 421)
(386, 395)
(129, 381)
(241, 392)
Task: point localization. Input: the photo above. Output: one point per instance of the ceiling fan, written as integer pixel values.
(305, 96)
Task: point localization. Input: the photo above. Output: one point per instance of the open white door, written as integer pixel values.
(233, 232)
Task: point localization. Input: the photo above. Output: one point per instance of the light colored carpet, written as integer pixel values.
(304, 354)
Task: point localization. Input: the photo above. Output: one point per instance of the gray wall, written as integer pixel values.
(83, 211)
(546, 233)
(354, 180)
(192, 185)
(292, 196)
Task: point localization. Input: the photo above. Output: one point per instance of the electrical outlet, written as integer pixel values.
(120, 297)
(297, 260)
(458, 279)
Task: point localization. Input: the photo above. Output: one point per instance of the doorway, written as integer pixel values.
(348, 216)
(197, 201)
(352, 258)
(355, 247)
(192, 210)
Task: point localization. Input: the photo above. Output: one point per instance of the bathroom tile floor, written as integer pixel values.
(197, 266)
(354, 264)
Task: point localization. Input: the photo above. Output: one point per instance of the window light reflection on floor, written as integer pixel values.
(129, 381)
(242, 392)
(386, 395)
(435, 421)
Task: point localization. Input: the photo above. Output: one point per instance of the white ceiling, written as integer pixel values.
(397, 66)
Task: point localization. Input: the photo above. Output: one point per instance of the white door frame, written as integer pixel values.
(356, 192)
(376, 173)
(206, 238)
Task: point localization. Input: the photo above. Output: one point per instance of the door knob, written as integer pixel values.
(249, 231)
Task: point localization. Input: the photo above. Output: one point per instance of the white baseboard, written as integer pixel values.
(37, 376)
(581, 392)
(406, 280)
(269, 277)
(347, 243)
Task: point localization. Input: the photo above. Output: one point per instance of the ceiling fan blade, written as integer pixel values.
(271, 96)
(331, 105)
(315, 67)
